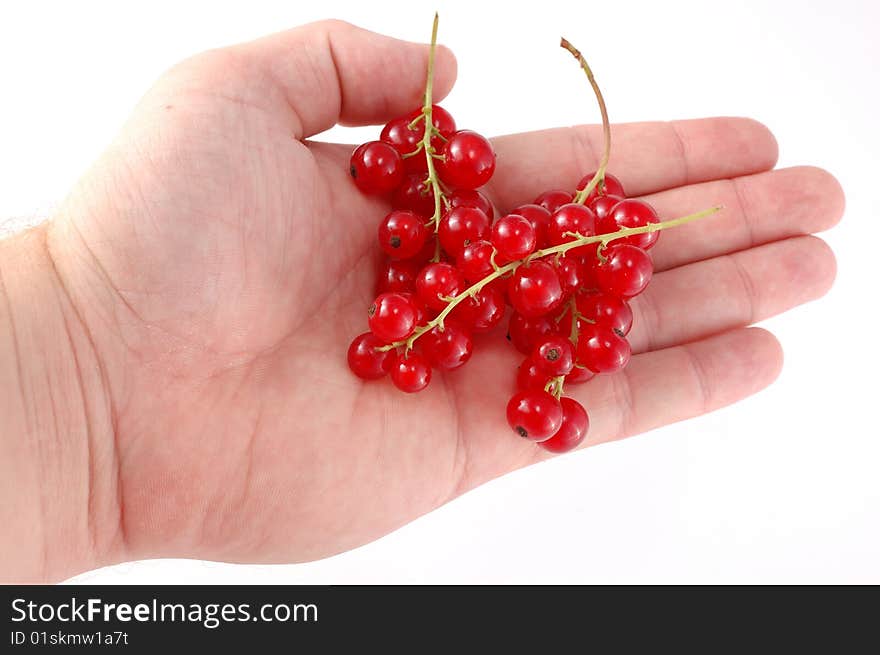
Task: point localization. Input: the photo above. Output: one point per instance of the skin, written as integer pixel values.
(172, 342)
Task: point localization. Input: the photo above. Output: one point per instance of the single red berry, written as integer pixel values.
(625, 272)
(578, 375)
(554, 199)
(572, 273)
(513, 237)
(413, 195)
(601, 349)
(410, 372)
(530, 376)
(438, 282)
(471, 198)
(482, 311)
(606, 309)
(392, 317)
(406, 140)
(468, 160)
(475, 261)
(534, 415)
(525, 332)
(535, 289)
(461, 226)
(402, 234)
(554, 356)
(611, 186)
(602, 206)
(397, 275)
(364, 358)
(376, 167)
(631, 213)
(539, 217)
(441, 119)
(576, 219)
(575, 424)
(447, 348)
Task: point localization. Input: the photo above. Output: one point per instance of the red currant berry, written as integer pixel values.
(468, 160)
(631, 213)
(534, 415)
(447, 348)
(513, 237)
(405, 140)
(376, 167)
(471, 198)
(475, 261)
(525, 332)
(578, 375)
(602, 206)
(461, 226)
(410, 372)
(575, 424)
(436, 283)
(601, 349)
(529, 376)
(539, 217)
(625, 272)
(365, 360)
(554, 356)
(413, 195)
(535, 289)
(611, 186)
(482, 311)
(575, 219)
(392, 317)
(402, 234)
(572, 273)
(605, 309)
(554, 199)
(396, 276)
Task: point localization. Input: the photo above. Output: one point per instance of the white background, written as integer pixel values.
(782, 487)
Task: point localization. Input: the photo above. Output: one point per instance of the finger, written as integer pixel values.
(719, 294)
(333, 72)
(670, 385)
(647, 157)
(757, 209)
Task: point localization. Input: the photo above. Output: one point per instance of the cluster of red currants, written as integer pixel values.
(567, 264)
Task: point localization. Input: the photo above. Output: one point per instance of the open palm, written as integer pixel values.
(223, 263)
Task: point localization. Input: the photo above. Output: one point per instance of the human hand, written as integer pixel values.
(220, 262)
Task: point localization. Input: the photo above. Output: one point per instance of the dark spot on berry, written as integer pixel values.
(507, 336)
(619, 332)
(372, 310)
(521, 431)
(395, 241)
(467, 242)
(353, 171)
(552, 355)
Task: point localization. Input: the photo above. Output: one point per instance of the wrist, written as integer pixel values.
(60, 513)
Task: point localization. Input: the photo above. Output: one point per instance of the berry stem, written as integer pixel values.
(426, 145)
(599, 178)
(555, 386)
(604, 239)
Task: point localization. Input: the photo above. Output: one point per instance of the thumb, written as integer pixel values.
(334, 72)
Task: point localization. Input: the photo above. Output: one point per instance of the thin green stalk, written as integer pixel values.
(599, 178)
